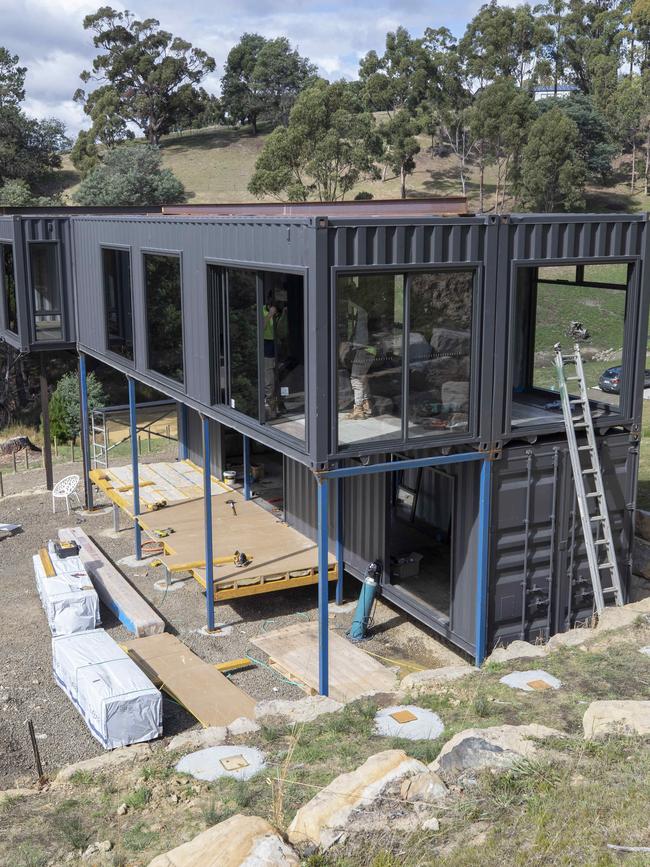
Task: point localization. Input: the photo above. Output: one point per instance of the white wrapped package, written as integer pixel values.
(118, 703)
(68, 598)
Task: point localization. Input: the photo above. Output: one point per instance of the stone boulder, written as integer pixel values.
(456, 395)
(604, 718)
(642, 524)
(198, 739)
(323, 819)
(570, 638)
(105, 762)
(617, 617)
(419, 682)
(425, 787)
(517, 650)
(641, 558)
(240, 840)
(302, 710)
(498, 747)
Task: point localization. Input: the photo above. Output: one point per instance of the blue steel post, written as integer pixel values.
(133, 420)
(246, 447)
(85, 431)
(339, 541)
(184, 449)
(483, 561)
(207, 519)
(323, 625)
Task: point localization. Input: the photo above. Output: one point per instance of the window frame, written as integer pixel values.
(61, 311)
(155, 374)
(123, 248)
(259, 268)
(404, 442)
(4, 288)
(623, 414)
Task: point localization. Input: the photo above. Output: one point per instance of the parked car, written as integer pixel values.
(610, 380)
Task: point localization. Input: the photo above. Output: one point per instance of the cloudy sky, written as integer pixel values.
(49, 37)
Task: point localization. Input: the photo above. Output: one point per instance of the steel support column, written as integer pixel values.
(45, 426)
(339, 540)
(85, 431)
(323, 589)
(183, 433)
(207, 521)
(482, 572)
(133, 424)
(246, 449)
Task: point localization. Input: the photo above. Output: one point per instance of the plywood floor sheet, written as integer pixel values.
(273, 547)
(352, 673)
(202, 690)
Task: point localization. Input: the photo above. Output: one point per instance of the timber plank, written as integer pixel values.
(202, 690)
(352, 673)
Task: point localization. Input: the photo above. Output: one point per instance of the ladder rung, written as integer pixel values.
(600, 542)
(593, 494)
(589, 472)
(572, 379)
(597, 518)
(605, 565)
(585, 448)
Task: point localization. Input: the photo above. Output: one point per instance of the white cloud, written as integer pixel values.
(51, 41)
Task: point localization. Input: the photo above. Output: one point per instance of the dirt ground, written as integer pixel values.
(27, 688)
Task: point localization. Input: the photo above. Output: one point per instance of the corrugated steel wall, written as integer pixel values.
(540, 581)
(549, 236)
(6, 229)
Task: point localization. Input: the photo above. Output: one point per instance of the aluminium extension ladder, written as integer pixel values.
(596, 527)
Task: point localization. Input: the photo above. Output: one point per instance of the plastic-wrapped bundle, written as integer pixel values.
(69, 598)
(117, 701)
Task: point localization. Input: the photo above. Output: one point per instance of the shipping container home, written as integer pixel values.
(391, 360)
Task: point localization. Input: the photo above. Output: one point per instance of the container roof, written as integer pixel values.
(421, 207)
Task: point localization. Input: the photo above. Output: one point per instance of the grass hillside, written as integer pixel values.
(216, 164)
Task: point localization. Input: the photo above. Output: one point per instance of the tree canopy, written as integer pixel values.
(148, 75)
(262, 80)
(130, 176)
(329, 143)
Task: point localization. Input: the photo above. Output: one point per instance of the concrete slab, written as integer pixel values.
(531, 681)
(408, 721)
(240, 763)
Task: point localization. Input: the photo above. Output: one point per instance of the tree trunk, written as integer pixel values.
(633, 177)
(402, 182)
(254, 123)
(647, 161)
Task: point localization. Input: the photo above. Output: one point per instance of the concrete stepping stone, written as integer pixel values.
(535, 680)
(408, 721)
(240, 763)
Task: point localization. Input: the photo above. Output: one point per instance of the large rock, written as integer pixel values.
(570, 638)
(198, 739)
(241, 841)
(425, 787)
(105, 762)
(517, 650)
(617, 617)
(495, 747)
(322, 820)
(419, 682)
(299, 711)
(642, 524)
(616, 718)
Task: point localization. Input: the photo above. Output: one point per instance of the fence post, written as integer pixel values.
(56, 447)
(26, 459)
(72, 447)
(14, 460)
(2, 486)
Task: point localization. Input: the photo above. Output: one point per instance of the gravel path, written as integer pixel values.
(27, 689)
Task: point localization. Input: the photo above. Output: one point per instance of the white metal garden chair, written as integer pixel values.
(64, 490)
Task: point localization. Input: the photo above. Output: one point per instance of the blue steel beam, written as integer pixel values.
(409, 464)
(246, 448)
(133, 423)
(339, 541)
(184, 433)
(85, 431)
(482, 576)
(323, 549)
(207, 520)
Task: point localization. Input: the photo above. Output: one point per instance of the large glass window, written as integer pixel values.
(8, 286)
(46, 291)
(116, 269)
(567, 305)
(258, 345)
(373, 337)
(370, 326)
(440, 339)
(242, 341)
(164, 314)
